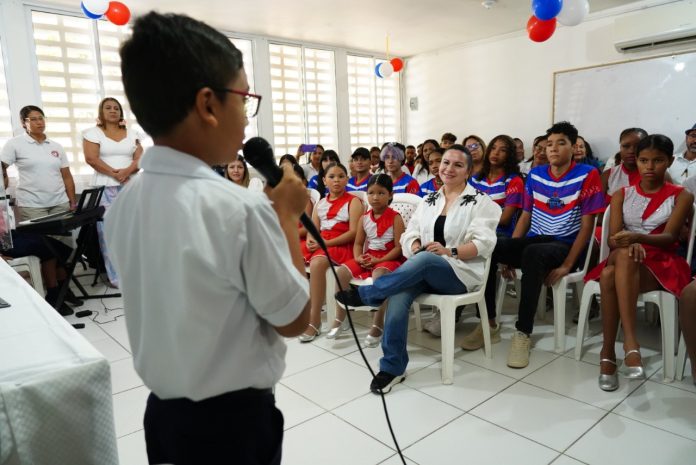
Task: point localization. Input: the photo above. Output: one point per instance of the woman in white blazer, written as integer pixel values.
(447, 241)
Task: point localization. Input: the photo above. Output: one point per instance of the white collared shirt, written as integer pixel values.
(469, 219)
(40, 182)
(206, 273)
(681, 169)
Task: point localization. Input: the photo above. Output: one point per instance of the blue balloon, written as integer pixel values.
(378, 70)
(546, 9)
(88, 13)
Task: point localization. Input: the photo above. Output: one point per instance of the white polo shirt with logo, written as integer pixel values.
(681, 169)
(206, 274)
(40, 182)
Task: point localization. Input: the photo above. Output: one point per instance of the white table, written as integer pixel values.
(55, 387)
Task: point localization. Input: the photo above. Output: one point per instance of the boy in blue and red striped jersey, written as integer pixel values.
(361, 165)
(434, 184)
(560, 202)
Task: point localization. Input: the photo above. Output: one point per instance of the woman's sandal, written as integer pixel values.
(633, 372)
(336, 330)
(304, 337)
(373, 341)
(609, 382)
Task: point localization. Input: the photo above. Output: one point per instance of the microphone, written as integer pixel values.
(259, 153)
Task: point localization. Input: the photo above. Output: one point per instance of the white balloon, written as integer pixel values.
(97, 7)
(573, 12)
(386, 69)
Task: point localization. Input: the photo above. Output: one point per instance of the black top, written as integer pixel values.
(439, 232)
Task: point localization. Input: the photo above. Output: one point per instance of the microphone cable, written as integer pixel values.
(324, 248)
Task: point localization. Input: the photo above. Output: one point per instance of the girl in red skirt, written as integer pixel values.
(336, 217)
(644, 228)
(380, 230)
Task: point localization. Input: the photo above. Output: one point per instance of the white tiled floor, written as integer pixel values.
(549, 413)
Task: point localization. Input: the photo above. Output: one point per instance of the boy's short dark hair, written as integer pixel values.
(361, 152)
(166, 61)
(565, 128)
(410, 147)
(449, 137)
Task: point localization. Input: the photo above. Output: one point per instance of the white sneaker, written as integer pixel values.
(433, 326)
(519, 350)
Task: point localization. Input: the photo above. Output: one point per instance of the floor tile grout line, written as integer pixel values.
(514, 432)
(463, 413)
(644, 382)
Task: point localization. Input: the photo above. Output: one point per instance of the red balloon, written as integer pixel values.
(398, 64)
(540, 30)
(118, 13)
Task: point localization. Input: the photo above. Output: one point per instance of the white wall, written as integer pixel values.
(504, 85)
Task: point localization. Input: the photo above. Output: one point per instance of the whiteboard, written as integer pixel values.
(656, 94)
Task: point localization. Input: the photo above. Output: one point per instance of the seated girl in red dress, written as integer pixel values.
(336, 217)
(643, 235)
(380, 229)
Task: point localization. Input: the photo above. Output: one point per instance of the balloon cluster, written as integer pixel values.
(542, 24)
(387, 68)
(116, 12)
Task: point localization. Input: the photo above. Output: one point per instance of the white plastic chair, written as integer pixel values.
(666, 303)
(405, 205)
(448, 306)
(31, 265)
(591, 288)
(681, 359)
(314, 195)
(559, 295)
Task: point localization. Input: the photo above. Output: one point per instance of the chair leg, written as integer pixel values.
(541, 304)
(668, 318)
(559, 310)
(499, 297)
(35, 273)
(483, 310)
(447, 329)
(330, 297)
(417, 314)
(585, 300)
(681, 359)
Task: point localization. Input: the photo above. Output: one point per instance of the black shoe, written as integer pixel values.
(65, 309)
(350, 298)
(384, 382)
(72, 299)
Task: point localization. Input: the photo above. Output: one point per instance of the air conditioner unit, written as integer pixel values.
(662, 26)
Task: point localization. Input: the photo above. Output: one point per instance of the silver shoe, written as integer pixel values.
(637, 372)
(334, 332)
(373, 341)
(310, 337)
(609, 382)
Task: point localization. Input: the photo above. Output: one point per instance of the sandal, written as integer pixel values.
(336, 330)
(633, 372)
(304, 337)
(373, 341)
(609, 382)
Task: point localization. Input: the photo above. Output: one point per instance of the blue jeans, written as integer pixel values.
(423, 272)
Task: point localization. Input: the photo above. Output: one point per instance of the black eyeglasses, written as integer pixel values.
(252, 102)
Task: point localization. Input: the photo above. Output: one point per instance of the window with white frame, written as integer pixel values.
(303, 88)
(5, 116)
(69, 80)
(374, 104)
(245, 46)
